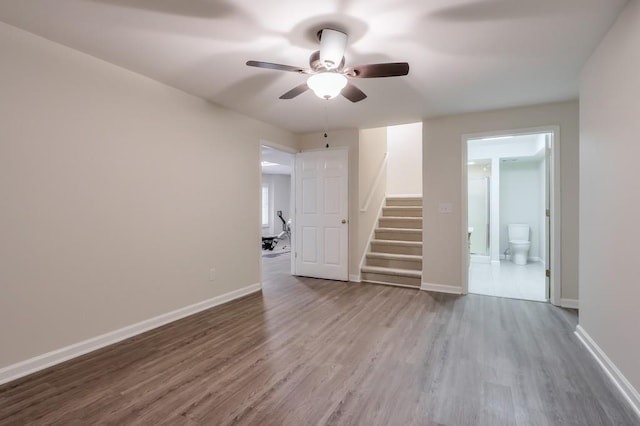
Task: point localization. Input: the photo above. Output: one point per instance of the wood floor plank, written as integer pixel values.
(309, 351)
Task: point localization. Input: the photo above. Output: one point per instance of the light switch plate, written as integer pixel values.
(445, 208)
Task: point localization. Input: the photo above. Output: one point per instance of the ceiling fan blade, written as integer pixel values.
(298, 90)
(278, 67)
(352, 93)
(394, 69)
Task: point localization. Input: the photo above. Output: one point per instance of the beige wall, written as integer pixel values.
(115, 197)
(609, 196)
(442, 182)
(373, 146)
(404, 144)
(342, 138)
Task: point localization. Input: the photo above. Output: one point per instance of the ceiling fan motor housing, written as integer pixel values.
(332, 46)
(318, 66)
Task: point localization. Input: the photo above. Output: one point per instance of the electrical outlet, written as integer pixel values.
(212, 274)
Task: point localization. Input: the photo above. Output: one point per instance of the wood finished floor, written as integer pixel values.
(311, 351)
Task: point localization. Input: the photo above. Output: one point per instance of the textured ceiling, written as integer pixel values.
(464, 55)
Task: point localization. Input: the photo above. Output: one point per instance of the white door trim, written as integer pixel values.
(292, 193)
(555, 205)
(278, 146)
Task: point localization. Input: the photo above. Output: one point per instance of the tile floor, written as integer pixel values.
(507, 279)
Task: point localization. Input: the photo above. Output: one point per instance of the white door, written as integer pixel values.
(321, 225)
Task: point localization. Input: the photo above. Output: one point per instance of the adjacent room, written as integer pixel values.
(508, 197)
(252, 212)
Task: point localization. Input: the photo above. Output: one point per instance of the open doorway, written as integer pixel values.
(509, 198)
(275, 210)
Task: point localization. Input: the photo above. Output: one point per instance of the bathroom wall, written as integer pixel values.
(499, 150)
(404, 164)
(520, 201)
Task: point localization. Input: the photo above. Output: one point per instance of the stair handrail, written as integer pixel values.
(376, 182)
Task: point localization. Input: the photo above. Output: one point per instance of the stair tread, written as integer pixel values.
(394, 256)
(398, 243)
(404, 197)
(401, 230)
(410, 218)
(392, 271)
(403, 207)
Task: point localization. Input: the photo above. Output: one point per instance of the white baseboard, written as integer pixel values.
(441, 288)
(355, 278)
(570, 303)
(40, 362)
(624, 386)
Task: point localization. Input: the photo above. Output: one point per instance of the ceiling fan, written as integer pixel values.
(328, 75)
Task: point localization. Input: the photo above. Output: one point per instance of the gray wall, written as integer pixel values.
(609, 195)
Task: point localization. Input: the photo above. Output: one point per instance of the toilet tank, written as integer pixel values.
(518, 232)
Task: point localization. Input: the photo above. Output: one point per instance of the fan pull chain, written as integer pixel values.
(326, 122)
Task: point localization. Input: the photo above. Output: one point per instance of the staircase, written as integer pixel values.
(395, 253)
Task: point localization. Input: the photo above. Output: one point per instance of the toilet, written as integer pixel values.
(519, 243)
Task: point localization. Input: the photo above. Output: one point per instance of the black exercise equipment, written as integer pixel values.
(269, 243)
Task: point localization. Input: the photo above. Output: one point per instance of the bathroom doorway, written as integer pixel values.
(509, 200)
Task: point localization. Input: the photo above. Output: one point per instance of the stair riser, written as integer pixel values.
(391, 279)
(413, 265)
(400, 223)
(405, 202)
(398, 236)
(399, 212)
(393, 249)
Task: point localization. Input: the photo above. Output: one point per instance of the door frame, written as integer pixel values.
(292, 194)
(484, 258)
(554, 240)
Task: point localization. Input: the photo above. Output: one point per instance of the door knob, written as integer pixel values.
(344, 221)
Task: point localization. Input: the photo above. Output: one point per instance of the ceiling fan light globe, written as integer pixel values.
(327, 85)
